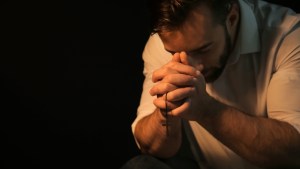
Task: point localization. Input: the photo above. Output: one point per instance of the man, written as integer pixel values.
(227, 73)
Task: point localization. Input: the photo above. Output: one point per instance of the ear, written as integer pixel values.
(232, 19)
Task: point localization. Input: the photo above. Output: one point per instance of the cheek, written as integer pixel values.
(216, 54)
(218, 50)
(212, 58)
(207, 60)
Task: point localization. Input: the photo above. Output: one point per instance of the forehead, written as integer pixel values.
(199, 24)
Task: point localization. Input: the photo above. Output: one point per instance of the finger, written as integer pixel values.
(200, 82)
(161, 103)
(163, 111)
(181, 93)
(200, 67)
(174, 68)
(181, 109)
(173, 82)
(189, 61)
(183, 58)
(176, 57)
(161, 88)
(180, 80)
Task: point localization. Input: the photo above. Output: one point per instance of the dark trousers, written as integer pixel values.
(149, 162)
(184, 159)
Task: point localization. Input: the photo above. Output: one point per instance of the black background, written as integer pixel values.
(71, 78)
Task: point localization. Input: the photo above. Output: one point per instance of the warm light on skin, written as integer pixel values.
(209, 48)
(226, 114)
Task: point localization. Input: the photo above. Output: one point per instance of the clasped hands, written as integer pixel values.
(185, 85)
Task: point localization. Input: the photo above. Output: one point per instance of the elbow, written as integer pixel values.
(159, 151)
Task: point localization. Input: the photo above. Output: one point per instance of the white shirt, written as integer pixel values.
(262, 77)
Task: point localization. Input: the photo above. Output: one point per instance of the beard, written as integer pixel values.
(212, 74)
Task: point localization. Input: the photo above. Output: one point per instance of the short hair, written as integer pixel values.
(171, 14)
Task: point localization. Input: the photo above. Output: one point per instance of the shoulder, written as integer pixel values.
(154, 51)
(289, 49)
(271, 15)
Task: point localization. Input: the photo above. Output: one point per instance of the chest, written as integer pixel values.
(238, 87)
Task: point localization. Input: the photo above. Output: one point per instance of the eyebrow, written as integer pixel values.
(195, 50)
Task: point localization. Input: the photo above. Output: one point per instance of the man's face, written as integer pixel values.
(205, 42)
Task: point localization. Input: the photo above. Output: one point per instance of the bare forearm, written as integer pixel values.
(152, 137)
(262, 141)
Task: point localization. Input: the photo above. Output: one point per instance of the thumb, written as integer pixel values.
(176, 57)
(184, 58)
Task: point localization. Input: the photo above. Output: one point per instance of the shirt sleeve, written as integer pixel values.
(283, 99)
(154, 56)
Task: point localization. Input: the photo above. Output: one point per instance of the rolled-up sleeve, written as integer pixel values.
(283, 99)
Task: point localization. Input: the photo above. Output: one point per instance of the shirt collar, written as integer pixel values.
(249, 36)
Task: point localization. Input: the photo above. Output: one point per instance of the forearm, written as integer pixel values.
(262, 141)
(152, 135)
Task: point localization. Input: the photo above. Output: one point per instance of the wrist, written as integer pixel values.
(163, 118)
(212, 114)
(169, 124)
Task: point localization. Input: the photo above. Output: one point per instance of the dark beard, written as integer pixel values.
(223, 59)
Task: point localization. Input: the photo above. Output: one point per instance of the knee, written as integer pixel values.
(144, 161)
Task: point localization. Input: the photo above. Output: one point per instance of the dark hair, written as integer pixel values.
(170, 14)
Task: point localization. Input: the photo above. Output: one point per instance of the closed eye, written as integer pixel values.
(201, 50)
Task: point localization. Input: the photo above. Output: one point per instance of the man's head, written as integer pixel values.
(170, 14)
(204, 29)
